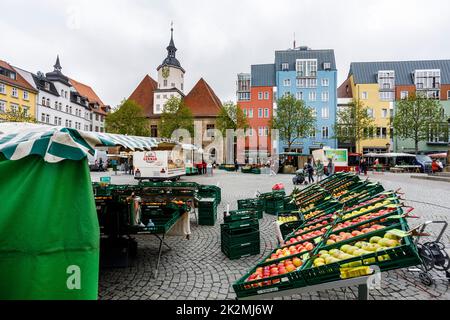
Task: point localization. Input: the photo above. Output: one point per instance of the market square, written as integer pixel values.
(226, 152)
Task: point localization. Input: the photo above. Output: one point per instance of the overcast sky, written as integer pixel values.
(112, 44)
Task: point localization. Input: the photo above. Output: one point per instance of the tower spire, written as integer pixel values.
(57, 65)
(171, 49)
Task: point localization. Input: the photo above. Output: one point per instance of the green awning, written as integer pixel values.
(55, 144)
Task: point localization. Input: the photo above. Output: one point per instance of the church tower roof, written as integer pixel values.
(171, 60)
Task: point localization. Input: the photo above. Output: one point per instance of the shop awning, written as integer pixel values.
(54, 144)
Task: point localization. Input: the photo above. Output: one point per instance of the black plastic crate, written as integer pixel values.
(242, 251)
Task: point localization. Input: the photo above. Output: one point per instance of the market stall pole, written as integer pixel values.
(361, 283)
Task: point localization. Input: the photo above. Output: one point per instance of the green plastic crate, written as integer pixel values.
(402, 256)
(242, 251)
(241, 224)
(239, 237)
(240, 215)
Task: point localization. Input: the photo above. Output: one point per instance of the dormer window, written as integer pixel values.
(47, 86)
(285, 67)
(386, 79)
(78, 99)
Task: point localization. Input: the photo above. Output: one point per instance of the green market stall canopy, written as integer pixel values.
(49, 231)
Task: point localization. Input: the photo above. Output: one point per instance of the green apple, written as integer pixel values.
(359, 244)
(375, 239)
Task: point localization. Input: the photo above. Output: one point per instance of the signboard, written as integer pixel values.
(106, 180)
(339, 156)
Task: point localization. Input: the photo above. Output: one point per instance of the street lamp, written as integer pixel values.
(388, 147)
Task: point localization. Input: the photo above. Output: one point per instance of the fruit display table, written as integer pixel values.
(339, 243)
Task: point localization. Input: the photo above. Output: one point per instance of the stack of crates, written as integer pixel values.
(273, 201)
(252, 204)
(210, 192)
(207, 211)
(240, 234)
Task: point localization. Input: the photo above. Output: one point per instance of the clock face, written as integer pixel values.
(165, 72)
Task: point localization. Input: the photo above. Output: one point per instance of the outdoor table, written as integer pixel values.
(162, 235)
(361, 282)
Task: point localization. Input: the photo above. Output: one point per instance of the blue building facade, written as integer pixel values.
(311, 76)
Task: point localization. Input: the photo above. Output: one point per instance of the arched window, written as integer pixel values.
(43, 101)
(62, 93)
(48, 102)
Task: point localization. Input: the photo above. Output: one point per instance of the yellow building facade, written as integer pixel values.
(16, 93)
(369, 95)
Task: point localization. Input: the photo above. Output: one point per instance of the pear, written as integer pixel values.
(359, 244)
(351, 250)
(345, 248)
(375, 239)
(391, 236)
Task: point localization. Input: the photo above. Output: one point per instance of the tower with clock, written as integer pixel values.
(170, 78)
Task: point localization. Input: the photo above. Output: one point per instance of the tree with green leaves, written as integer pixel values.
(176, 115)
(129, 119)
(293, 120)
(231, 117)
(417, 117)
(17, 115)
(353, 122)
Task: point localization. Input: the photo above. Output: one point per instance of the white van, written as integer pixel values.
(158, 165)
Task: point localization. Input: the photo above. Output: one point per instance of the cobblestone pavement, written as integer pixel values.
(197, 269)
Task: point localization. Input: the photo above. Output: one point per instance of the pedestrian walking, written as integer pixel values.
(330, 167)
(364, 166)
(319, 170)
(310, 169)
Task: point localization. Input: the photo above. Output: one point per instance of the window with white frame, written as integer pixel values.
(325, 112)
(325, 96)
(43, 118)
(299, 95)
(285, 66)
(15, 92)
(244, 111)
(427, 79)
(26, 111)
(260, 131)
(250, 113)
(260, 95)
(47, 118)
(48, 102)
(43, 101)
(325, 82)
(266, 95)
(312, 96)
(364, 95)
(47, 86)
(370, 113)
(387, 95)
(56, 121)
(158, 108)
(311, 83)
(14, 107)
(260, 112)
(306, 67)
(250, 132)
(384, 113)
(386, 79)
(25, 95)
(325, 132)
(404, 95)
(2, 106)
(244, 96)
(448, 95)
(59, 121)
(287, 82)
(56, 105)
(2, 88)
(165, 83)
(266, 113)
(266, 131)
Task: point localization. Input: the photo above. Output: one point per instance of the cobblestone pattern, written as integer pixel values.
(196, 269)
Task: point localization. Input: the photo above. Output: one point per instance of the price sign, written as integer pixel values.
(317, 240)
(398, 233)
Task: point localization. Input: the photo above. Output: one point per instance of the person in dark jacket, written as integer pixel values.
(310, 170)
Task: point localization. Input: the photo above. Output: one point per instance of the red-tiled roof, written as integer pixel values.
(345, 90)
(144, 93)
(19, 82)
(89, 93)
(202, 100)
